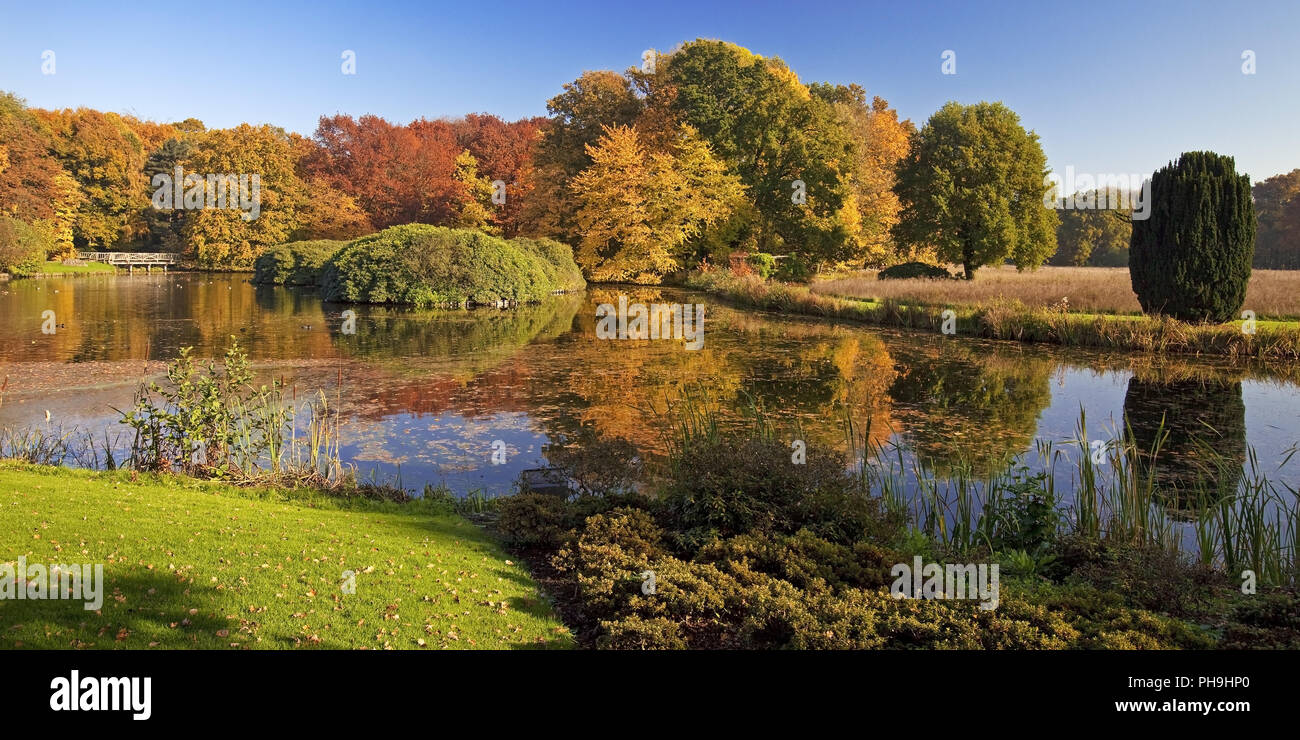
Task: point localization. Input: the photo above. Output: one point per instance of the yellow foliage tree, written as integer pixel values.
(638, 209)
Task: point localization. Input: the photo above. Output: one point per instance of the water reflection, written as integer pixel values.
(1198, 428)
(428, 392)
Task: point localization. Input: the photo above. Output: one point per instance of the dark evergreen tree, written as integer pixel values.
(1191, 258)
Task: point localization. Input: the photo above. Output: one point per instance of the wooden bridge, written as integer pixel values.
(132, 260)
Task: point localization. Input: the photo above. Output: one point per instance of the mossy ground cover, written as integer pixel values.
(191, 564)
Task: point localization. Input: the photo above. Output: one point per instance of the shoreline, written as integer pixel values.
(1008, 321)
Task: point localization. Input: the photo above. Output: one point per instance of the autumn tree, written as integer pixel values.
(476, 196)
(1277, 208)
(784, 143)
(638, 209)
(503, 151)
(879, 141)
(106, 158)
(231, 237)
(329, 213)
(27, 168)
(397, 174)
(972, 186)
(579, 116)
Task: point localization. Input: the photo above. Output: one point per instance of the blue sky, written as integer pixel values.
(1117, 87)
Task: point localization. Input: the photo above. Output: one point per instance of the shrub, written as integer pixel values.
(1191, 258)
(806, 560)
(763, 263)
(533, 519)
(438, 266)
(911, 270)
(793, 269)
(22, 247)
(295, 263)
(732, 487)
(607, 555)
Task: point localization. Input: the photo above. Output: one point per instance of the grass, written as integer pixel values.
(1011, 319)
(1273, 294)
(193, 564)
(58, 268)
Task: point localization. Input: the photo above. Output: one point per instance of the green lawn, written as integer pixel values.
(190, 564)
(58, 268)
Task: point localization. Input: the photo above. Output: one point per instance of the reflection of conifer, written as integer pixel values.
(1199, 430)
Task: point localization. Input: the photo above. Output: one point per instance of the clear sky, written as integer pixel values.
(1111, 87)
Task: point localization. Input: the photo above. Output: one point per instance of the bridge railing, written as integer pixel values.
(131, 258)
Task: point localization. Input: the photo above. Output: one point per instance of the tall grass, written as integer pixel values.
(1012, 320)
(1271, 294)
(217, 423)
(1108, 493)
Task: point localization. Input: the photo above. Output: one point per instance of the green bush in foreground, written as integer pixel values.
(438, 266)
(910, 270)
(295, 263)
(1191, 258)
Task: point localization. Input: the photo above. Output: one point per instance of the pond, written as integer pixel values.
(431, 395)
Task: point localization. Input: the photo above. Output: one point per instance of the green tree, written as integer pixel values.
(165, 225)
(776, 136)
(972, 186)
(1191, 258)
(1098, 237)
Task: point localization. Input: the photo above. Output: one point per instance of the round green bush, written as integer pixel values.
(438, 266)
(911, 270)
(1190, 258)
(295, 263)
(22, 247)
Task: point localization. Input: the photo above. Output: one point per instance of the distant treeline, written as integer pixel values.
(698, 153)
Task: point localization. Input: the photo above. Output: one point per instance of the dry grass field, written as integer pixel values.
(1271, 294)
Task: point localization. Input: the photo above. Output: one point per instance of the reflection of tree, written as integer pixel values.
(961, 405)
(802, 377)
(475, 340)
(1203, 423)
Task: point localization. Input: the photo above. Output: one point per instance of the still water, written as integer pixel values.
(427, 394)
